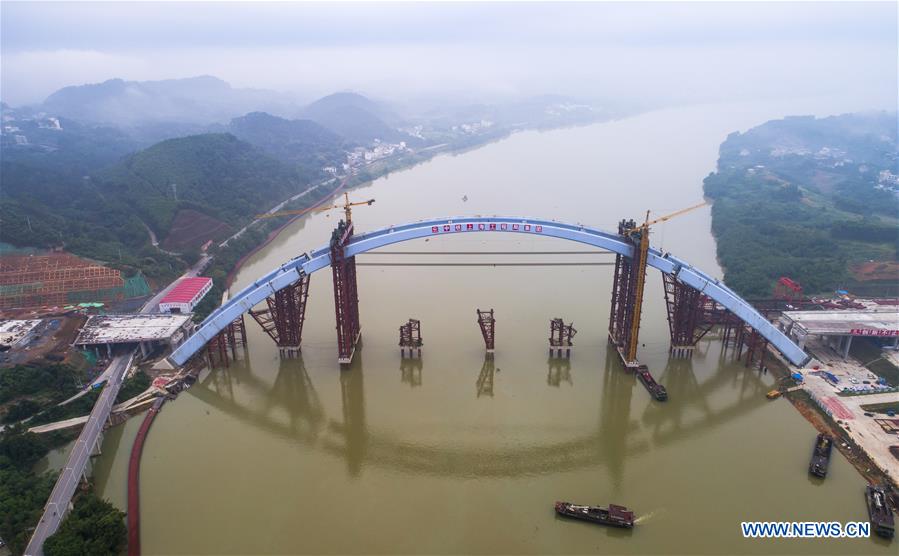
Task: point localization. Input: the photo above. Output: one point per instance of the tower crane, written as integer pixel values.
(346, 206)
(639, 235)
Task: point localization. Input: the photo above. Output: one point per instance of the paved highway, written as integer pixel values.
(69, 477)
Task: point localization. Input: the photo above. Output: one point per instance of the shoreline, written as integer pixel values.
(431, 153)
(821, 422)
(229, 279)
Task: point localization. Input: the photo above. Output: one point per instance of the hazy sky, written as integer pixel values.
(668, 52)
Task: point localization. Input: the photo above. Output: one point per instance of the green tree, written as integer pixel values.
(94, 527)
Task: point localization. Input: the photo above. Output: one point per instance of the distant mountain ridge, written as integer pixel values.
(157, 110)
(301, 142)
(193, 100)
(355, 117)
(102, 216)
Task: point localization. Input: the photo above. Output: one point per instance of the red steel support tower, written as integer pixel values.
(488, 328)
(560, 337)
(233, 335)
(687, 318)
(284, 317)
(410, 337)
(624, 294)
(346, 298)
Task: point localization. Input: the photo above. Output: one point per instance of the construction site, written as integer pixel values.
(58, 280)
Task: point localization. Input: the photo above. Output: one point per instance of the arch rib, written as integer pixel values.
(292, 270)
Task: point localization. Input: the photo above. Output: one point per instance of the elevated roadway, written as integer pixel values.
(88, 441)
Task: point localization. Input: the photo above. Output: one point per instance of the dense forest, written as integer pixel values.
(105, 214)
(806, 198)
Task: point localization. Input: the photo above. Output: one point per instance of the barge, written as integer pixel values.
(821, 455)
(656, 390)
(613, 516)
(879, 511)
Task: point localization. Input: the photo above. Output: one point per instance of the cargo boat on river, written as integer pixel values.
(821, 455)
(656, 390)
(614, 516)
(879, 511)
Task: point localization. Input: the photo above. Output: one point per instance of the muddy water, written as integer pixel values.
(458, 454)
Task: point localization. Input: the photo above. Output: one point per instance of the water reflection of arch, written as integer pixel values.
(352, 440)
(616, 437)
(670, 423)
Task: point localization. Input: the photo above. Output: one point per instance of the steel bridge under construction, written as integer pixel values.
(695, 300)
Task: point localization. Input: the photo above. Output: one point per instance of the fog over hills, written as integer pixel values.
(194, 100)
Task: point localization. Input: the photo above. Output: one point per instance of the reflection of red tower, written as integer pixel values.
(788, 290)
(346, 299)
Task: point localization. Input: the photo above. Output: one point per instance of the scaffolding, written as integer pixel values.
(61, 279)
(488, 328)
(346, 298)
(410, 337)
(283, 319)
(560, 337)
(225, 342)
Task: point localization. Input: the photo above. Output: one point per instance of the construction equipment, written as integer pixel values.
(345, 206)
(639, 235)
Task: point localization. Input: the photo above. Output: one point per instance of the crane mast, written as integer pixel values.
(639, 235)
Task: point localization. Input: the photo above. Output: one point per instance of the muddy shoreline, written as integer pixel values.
(825, 423)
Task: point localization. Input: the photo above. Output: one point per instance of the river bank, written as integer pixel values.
(823, 422)
(371, 172)
(490, 444)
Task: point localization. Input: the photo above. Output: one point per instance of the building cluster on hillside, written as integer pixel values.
(837, 157)
(566, 108)
(361, 155)
(414, 131)
(15, 135)
(475, 127)
(888, 181)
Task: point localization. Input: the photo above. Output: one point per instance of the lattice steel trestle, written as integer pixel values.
(346, 298)
(627, 293)
(284, 317)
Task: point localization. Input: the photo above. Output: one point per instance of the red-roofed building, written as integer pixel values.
(185, 295)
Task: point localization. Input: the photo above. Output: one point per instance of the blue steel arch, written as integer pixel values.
(318, 259)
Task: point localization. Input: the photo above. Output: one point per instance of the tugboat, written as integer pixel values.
(821, 455)
(656, 390)
(879, 511)
(614, 516)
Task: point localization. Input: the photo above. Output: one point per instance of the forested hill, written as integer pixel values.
(301, 142)
(102, 216)
(216, 174)
(813, 199)
(355, 117)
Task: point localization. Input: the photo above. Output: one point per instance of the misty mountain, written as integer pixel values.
(217, 175)
(194, 100)
(60, 143)
(301, 142)
(355, 117)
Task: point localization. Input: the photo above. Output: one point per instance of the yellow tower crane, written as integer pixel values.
(346, 206)
(641, 233)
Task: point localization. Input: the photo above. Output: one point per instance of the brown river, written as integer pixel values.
(453, 454)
